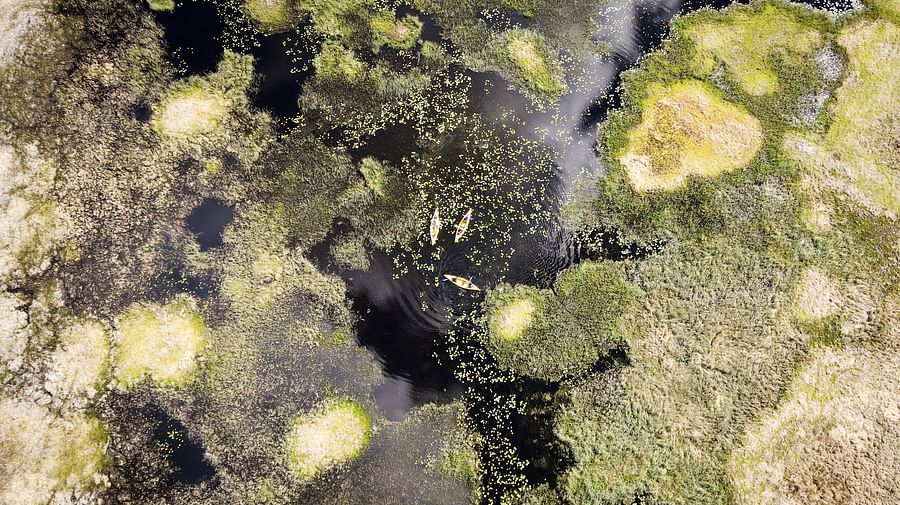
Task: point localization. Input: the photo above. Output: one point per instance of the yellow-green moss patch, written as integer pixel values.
(209, 110)
(349, 252)
(859, 156)
(337, 432)
(459, 457)
(887, 9)
(817, 217)
(687, 130)
(866, 127)
(374, 174)
(395, 33)
(336, 62)
(509, 321)
(265, 275)
(330, 17)
(747, 39)
(159, 341)
(831, 308)
(534, 62)
(161, 5)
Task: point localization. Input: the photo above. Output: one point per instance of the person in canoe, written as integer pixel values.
(463, 226)
(461, 282)
(435, 227)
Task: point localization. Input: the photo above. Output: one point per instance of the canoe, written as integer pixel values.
(461, 282)
(435, 227)
(463, 225)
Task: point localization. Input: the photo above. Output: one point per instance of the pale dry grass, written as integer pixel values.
(79, 362)
(44, 457)
(833, 441)
(189, 112)
(13, 330)
(337, 433)
(30, 222)
(17, 19)
(817, 296)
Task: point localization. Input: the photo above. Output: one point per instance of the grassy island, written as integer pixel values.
(551, 336)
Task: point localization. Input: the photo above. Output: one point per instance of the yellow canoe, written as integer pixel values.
(461, 282)
(435, 227)
(463, 225)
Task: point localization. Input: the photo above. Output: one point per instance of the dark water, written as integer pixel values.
(174, 281)
(407, 346)
(394, 324)
(282, 61)
(208, 222)
(142, 112)
(162, 458)
(194, 33)
(170, 438)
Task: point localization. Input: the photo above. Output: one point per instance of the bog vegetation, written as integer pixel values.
(750, 357)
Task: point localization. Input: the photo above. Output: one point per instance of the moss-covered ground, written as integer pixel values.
(395, 33)
(687, 131)
(159, 341)
(759, 330)
(857, 157)
(760, 165)
(751, 43)
(161, 5)
(692, 338)
(524, 58)
(271, 15)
